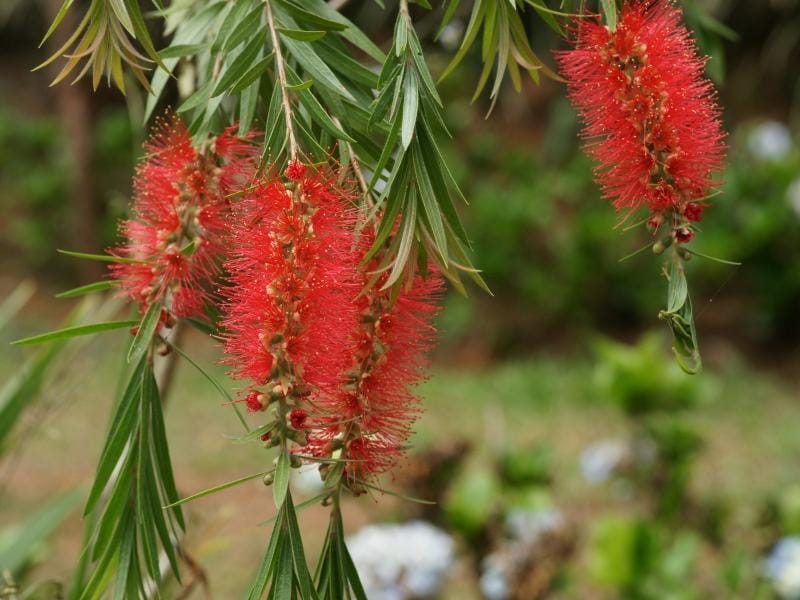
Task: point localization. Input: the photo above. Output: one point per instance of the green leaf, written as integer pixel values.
(62, 12)
(122, 425)
(74, 331)
(473, 28)
(283, 579)
(298, 87)
(246, 29)
(302, 35)
(351, 573)
(406, 236)
(307, 590)
(351, 32)
(102, 257)
(309, 502)
(410, 107)
(677, 288)
(610, 12)
(150, 393)
(141, 32)
(281, 485)
(277, 543)
(304, 54)
(144, 336)
(89, 288)
(239, 67)
(218, 488)
(249, 79)
(429, 204)
(321, 118)
(181, 50)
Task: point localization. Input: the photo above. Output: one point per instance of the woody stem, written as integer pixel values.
(281, 71)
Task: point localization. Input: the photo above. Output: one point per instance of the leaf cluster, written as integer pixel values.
(133, 481)
(104, 41)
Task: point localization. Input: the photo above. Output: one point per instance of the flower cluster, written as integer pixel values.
(376, 405)
(651, 118)
(173, 242)
(336, 357)
(289, 310)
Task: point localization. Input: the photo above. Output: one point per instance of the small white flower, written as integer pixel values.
(494, 577)
(770, 140)
(600, 460)
(397, 562)
(782, 568)
(529, 526)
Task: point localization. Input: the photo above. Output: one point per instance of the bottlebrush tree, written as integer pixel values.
(296, 207)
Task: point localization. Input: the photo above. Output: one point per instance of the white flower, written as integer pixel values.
(494, 577)
(397, 562)
(601, 459)
(782, 567)
(530, 525)
(770, 140)
(526, 529)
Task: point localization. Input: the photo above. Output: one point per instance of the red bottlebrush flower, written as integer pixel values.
(179, 214)
(295, 171)
(289, 309)
(373, 413)
(297, 418)
(253, 402)
(650, 115)
(684, 235)
(694, 211)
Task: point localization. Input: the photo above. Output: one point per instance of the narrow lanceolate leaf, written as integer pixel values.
(677, 289)
(298, 554)
(123, 423)
(218, 488)
(89, 288)
(610, 13)
(302, 35)
(410, 107)
(281, 484)
(75, 331)
(144, 336)
(101, 257)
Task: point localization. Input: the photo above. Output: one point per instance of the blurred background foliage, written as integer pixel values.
(577, 466)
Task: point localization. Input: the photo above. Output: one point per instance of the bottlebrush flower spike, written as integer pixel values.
(179, 213)
(651, 118)
(289, 307)
(371, 416)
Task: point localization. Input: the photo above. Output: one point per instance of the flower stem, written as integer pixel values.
(281, 70)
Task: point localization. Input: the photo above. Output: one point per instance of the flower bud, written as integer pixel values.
(683, 235)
